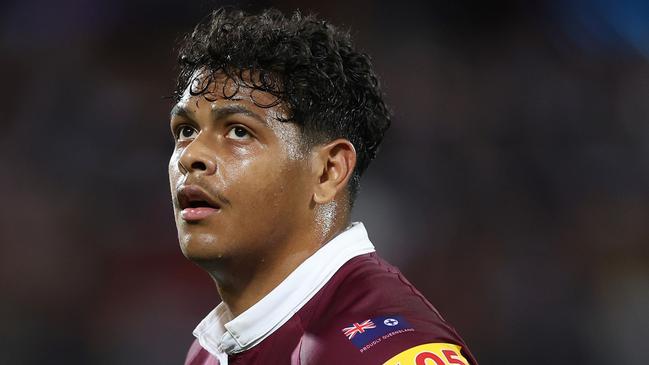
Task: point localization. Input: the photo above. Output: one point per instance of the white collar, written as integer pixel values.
(219, 333)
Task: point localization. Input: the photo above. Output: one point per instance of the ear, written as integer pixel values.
(333, 166)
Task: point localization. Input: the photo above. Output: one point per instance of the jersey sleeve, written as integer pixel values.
(388, 339)
(433, 353)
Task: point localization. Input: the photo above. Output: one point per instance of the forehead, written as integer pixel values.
(218, 93)
(215, 89)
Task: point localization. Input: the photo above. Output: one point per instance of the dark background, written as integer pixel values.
(512, 188)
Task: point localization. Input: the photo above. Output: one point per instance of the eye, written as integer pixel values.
(238, 132)
(186, 132)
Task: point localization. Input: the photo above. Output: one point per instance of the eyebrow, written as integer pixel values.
(180, 111)
(218, 113)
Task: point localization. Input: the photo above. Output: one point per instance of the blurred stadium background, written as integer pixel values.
(512, 189)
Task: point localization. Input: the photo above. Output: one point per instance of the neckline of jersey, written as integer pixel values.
(219, 333)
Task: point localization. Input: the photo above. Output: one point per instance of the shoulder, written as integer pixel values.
(369, 285)
(388, 339)
(373, 315)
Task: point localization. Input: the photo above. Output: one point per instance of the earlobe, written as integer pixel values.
(334, 166)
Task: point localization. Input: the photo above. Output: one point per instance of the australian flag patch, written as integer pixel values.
(374, 330)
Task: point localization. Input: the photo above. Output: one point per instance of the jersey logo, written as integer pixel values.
(370, 332)
(430, 354)
(355, 328)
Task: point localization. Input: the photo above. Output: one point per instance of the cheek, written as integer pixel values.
(174, 173)
(174, 178)
(253, 181)
(283, 190)
(262, 184)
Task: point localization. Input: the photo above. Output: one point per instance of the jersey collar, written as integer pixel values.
(219, 333)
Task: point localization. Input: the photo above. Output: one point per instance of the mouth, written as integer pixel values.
(195, 204)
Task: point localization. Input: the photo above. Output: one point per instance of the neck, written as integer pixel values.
(242, 283)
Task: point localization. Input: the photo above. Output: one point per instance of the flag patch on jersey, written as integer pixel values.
(357, 328)
(366, 334)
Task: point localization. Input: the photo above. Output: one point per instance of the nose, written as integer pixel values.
(196, 158)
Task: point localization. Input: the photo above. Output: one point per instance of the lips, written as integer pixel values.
(196, 204)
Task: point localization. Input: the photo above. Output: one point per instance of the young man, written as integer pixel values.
(275, 121)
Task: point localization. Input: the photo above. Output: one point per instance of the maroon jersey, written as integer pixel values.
(343, 305)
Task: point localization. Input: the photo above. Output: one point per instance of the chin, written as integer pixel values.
(201, 248)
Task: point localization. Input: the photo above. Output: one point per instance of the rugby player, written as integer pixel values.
(276, 119)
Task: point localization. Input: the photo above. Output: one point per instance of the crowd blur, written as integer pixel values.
(512, 188)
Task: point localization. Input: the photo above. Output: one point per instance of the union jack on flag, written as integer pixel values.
(355, 328)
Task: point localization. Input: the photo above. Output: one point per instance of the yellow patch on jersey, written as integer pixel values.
(430, 354)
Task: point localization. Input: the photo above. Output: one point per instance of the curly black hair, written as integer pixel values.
(327, 87)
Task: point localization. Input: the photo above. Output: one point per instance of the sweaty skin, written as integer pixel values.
(276, 201)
